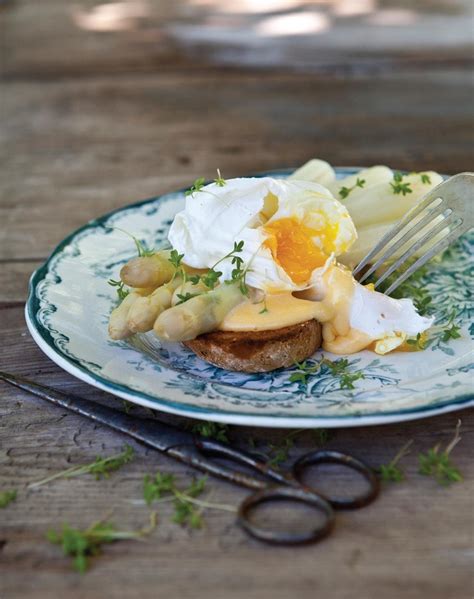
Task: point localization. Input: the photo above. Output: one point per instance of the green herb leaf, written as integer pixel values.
(419, 342)
(212, 430)
(348, 379)
(185, 297)
(100, 467)
(345, 191)
(453, 332)
(120, 288)
(176, 258)
(154, 488)
(438, 463)
(81, 545)
(280, 453)
(6, 497)
(196, 187)
(391, 472)
(219, 181)
(211, 278)
(425, 179)
(398, 186)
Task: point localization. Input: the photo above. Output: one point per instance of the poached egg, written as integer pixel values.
(292, 232)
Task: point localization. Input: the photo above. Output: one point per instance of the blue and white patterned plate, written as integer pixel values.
(70, 301)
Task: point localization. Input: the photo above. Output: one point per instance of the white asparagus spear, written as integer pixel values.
(185, 288)
(198, 315)
(148, 271)
(368, 237)
(315, 170)
(371, 176)
(118, 326)
(379, 204)
(145, 310)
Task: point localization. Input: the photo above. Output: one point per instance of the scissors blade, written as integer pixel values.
(157, 434)
(174, 442)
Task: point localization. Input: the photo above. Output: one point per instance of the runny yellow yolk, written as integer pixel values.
(292, 246)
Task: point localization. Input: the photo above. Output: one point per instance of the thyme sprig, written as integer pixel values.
(338, 368)
(398, 186)
(219, 180)
(122, 292)
(196, 187)
(212, 430)
(81, 545)
(345, 191)
(391, 472)
(142, 250)
(187, 508)
(7, 497)
(438, 463)
(100, 467)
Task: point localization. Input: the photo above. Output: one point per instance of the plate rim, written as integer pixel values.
(44, 341)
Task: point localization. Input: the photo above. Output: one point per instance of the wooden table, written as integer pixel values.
(91, 123)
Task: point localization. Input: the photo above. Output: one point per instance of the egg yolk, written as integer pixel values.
(292, 247)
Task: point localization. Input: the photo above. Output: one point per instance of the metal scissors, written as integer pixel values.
(203, 453)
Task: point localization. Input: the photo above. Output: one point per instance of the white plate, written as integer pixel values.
(70, 300)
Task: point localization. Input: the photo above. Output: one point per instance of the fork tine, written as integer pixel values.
(432, 214)
(417, 246)
(430, 197)
(455, 233)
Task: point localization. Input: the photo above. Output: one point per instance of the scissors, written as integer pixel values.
(268, 484)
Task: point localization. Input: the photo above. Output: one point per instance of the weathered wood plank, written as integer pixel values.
(91, 146)
(64, 38)
(413, 542)
(14, 277)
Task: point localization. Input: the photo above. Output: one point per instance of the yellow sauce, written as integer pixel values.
(284, 309)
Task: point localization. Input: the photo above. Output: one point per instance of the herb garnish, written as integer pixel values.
(265, 307)
(184, 297)
(391, 472)
(100, 467)
(143, 251)
(219, 181)
(345, 191)
(337, 369)
(211, 277)
(438, 464)
(83, 544)
(6, 497)
(398, 186)
(304, 371)
(452, 332)
(176, 258)
(213, 430)
(120, 288)
(419, 342)
(425, 179)
(188, 509)
(196, 187)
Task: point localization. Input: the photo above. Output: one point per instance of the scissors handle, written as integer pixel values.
(314, 532)
(335, 457)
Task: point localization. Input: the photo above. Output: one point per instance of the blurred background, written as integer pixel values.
(104, 103)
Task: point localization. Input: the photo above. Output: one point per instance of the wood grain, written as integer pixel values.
(89, 147)
(415, 527)
(93, 121)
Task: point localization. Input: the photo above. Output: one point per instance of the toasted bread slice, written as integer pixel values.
(258, 351)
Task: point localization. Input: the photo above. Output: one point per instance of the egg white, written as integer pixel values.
(216, 217)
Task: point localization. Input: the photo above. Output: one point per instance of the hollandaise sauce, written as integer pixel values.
(329, 302)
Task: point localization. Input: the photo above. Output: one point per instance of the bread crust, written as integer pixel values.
(258, 351)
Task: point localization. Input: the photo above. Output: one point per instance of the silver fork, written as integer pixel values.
(447, 210)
